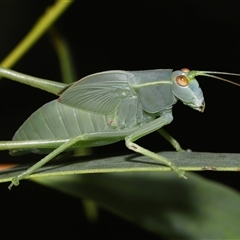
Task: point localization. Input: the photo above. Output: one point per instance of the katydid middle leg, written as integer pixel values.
(165, 119)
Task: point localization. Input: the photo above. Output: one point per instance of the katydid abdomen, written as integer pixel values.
(56, 121)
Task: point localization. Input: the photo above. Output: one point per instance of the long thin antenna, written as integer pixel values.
(208, 74)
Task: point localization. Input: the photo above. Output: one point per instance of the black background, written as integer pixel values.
(124, 35)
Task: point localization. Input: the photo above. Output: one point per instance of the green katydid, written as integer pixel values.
(104, 108)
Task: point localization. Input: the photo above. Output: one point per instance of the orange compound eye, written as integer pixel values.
(182, 80)
(185, 70)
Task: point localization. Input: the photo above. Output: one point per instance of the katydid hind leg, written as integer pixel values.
(46, 159)
(44, 84)
(79, 140)
(146, 129)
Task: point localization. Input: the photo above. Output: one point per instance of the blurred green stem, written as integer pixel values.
(64, 56)
(50, 16)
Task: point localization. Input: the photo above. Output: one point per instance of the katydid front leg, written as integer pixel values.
(150, 127)
(171, 140)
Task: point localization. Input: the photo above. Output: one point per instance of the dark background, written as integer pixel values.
(125, 35)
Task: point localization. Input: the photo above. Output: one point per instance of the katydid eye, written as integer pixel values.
(182, 80)
(185, 70)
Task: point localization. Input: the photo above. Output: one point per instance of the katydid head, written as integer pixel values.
(186, 89)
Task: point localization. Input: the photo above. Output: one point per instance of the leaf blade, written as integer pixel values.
(193, 161)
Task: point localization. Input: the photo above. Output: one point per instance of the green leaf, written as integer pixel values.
(189, 161)
(160, 202)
